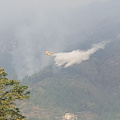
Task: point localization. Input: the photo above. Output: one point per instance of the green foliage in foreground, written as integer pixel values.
(10, 91)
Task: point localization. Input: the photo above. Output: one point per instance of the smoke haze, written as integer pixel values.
(67, 59)
(53, 25)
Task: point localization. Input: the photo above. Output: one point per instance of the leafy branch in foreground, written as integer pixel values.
(10, 91)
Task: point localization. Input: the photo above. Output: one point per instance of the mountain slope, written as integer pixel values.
(92, 86)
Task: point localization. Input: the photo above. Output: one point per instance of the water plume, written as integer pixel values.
(67, 59)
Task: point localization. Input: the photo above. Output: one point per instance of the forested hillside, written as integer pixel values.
(81, 76)
(91, 87)
(89, 90)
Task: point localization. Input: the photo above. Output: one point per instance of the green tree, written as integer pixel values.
(10, 91)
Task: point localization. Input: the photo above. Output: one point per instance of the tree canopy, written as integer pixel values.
(10, 91)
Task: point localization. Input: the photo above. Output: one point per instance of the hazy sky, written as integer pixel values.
(39, 25)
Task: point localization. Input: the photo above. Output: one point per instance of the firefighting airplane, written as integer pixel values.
(47, 53)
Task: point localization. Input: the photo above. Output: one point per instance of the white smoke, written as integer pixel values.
(67, 59)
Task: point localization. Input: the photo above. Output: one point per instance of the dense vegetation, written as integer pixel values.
(10, 91)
